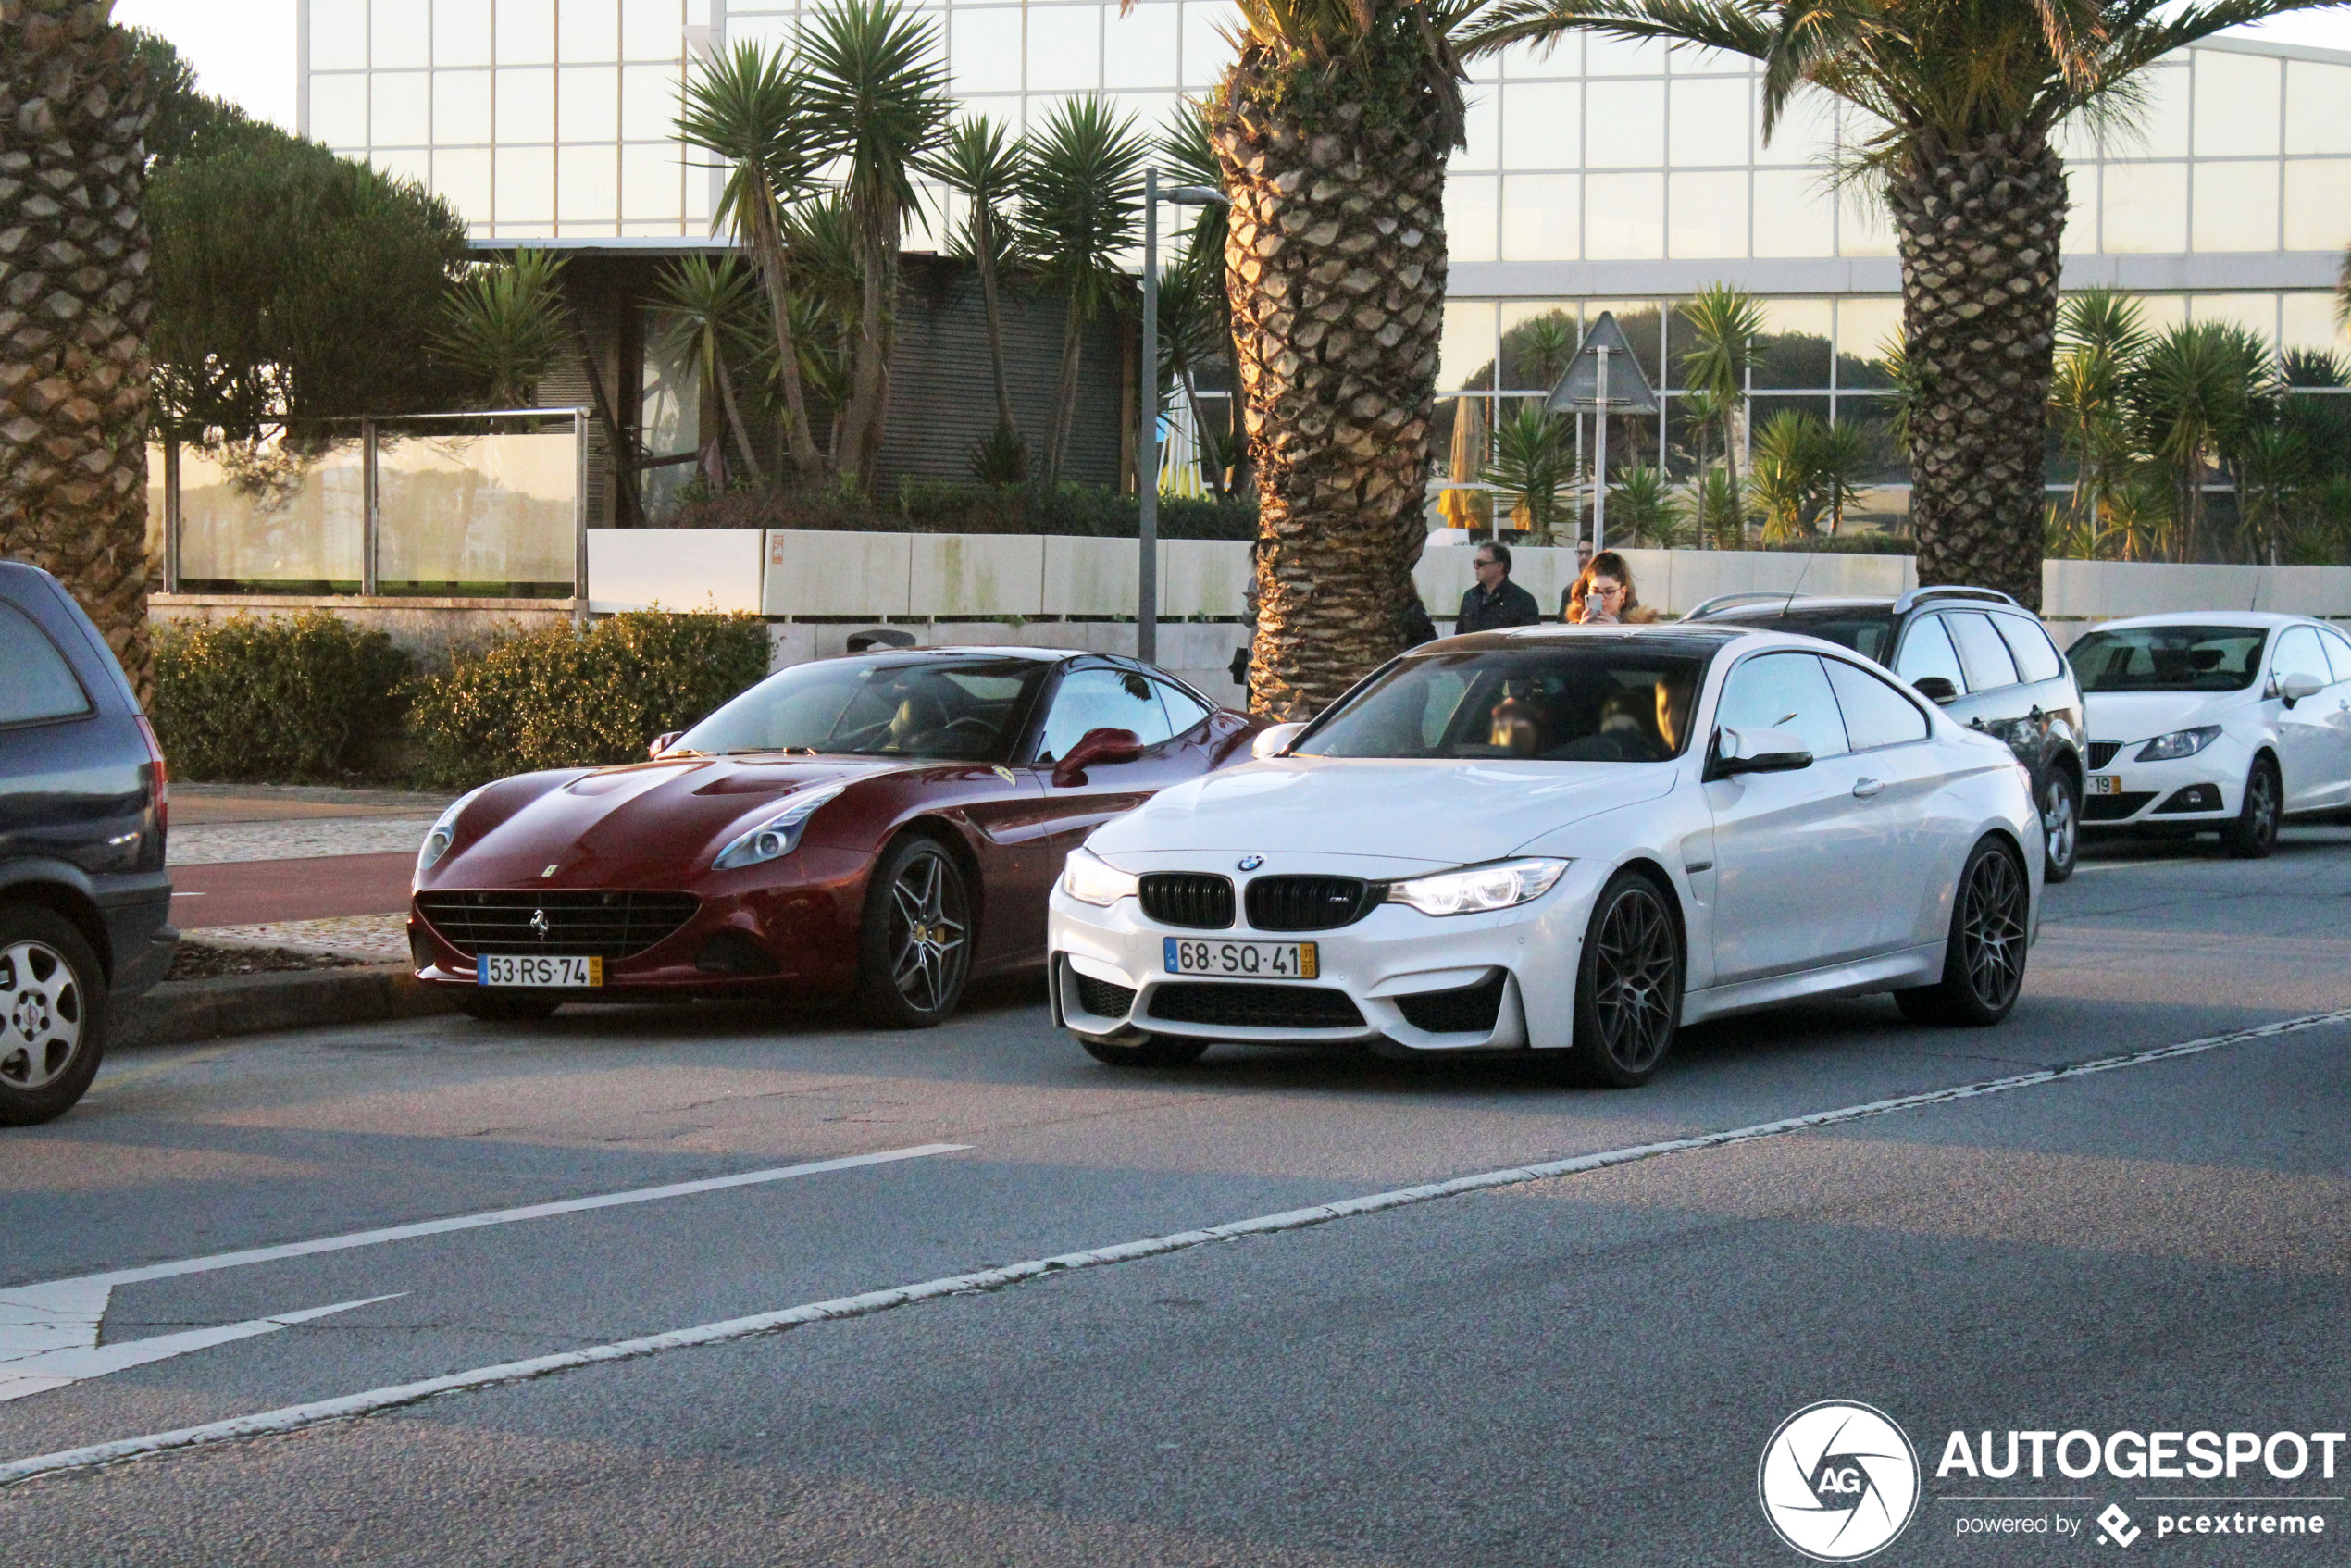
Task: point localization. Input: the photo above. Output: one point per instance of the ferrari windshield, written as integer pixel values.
(2169, 659)
(1600, 702)
(954, 710)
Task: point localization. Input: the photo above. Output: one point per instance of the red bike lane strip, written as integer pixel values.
(250, 892)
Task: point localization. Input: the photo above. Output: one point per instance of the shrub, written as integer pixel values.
(558, 698)
(289, 698)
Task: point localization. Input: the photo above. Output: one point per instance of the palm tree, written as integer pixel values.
(1784, 481)
(1841, 455)
(1723, 325)
(1332, 130)
(1192, 334)
(1532, 460)
(1080, 197)
(2100, 335)
(505, 325)
(876, 90)
(1716, 508)
(750, 107)
(2273, 466)
(2192, 395)
(979, 163)
(1642, 504)
(714, 309)
(73, 397)
(1969, 97)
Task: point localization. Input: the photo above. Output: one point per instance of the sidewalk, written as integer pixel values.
(310, 868)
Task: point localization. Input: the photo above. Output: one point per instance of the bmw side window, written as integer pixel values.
(2036, 657)
(1980, 649)
(41, 685)
(1103, 698)
(1785, 692)
(1184, 710)
(1927, 652)
(2338, 653)
(1875, 714)
(2299, 653)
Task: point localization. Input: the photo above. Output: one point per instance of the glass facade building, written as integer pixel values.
(1597, 175)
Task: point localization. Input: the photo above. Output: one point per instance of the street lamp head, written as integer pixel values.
(1196, 196)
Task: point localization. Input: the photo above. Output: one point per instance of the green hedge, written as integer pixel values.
(293, 697)
(559, 698)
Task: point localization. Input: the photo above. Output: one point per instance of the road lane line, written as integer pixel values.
(58, 1369)
(293, 1418)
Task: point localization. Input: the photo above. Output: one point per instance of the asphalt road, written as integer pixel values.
(1578, 1370)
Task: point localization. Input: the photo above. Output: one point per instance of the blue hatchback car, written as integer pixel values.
(85, 906)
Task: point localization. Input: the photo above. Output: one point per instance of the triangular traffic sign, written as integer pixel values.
(1628, 389)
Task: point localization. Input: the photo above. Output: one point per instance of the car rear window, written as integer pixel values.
(2169, 659)
(2036, 657)
(40, 685)
(1867, 632)
(1986, 658)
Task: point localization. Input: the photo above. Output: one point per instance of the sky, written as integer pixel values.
(243, 50)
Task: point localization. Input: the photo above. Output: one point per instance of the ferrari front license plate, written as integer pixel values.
(539, 971)
(2106, 784)
(1260, 961)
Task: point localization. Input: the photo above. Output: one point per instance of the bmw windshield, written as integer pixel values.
(1612, 701)
(2169, 659)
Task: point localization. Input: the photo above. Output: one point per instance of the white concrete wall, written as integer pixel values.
(676, 568)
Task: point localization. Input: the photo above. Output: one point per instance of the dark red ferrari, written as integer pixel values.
(884, 825)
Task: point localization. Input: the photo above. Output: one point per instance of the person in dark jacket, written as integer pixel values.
(1495, 602)
(1418, 629)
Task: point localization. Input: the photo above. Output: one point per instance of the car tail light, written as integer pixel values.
(163, 774)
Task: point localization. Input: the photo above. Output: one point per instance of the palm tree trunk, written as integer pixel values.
(984, 243)
(73, 312)
(1336, 265)
(735, 419)
(1980, 227)
(767, 247)
(868, 366)
(1064, 395)
(1210, 474)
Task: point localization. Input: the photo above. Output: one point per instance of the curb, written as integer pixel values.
(181, 1011)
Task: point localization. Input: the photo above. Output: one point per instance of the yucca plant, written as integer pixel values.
(2194, 394)
(1967, 99)
(505, 325)
(1718, 510)
(2272, 466)
(713, 306)
(1081, 195)
(1723, 323)
(2100, 336)
(1641, 503)
(982, 164)
(1842, 452)
(1192, 335)
(1533, 458)
(1783, 481)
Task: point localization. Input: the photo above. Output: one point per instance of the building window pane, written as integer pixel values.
(1604, 56)
(1538, 339)
(526, 33)
(338, 109)
(983, 49)
(2317, 204)
(2162, 312)
(1793, 349)
(589, 103)
(2236, 104)
(1465, 355)
(1542, 124)
(1866, 327)
(1139, 48)
(399, 34)
(588, 190)
(339, 35)
(2236, 206)
(2318, 107)
(1624, 217)
(1065, 49)
(401, 111)
(1624, 124)
(1688, 59)
(1806, 129)
(648, 102)
(1710, 214)
(1470, 203)
(525, 107)
(2257, 313)
(460, 33)
(2143, 207)
(1539, 217)
(1864, 227)
(526, 185)
(2308, 321)
(649, 181)
(460, 107)
(652, 30)
(1708, 124)
(1481, 132)
(589, 31)
(1794, 214)
(411, 164)
(463, 177)
(2160, 128)
(1206, 52)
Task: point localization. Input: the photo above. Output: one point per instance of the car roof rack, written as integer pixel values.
(1990, 595)
(1725, 601)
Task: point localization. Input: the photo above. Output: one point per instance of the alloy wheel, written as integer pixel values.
(1636, 991)
(41, 1016)
(2060, 823)
(2262, 790)
(1992, 929)
(930, 932)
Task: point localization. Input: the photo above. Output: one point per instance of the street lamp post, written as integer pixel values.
(1147, 438)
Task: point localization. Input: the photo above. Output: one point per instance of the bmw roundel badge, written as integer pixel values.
(1250, 862)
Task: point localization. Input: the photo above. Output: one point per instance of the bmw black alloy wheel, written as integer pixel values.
(1637, 979)
(1993, 911)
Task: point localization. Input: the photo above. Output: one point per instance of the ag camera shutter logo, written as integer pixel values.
(1838, 1481)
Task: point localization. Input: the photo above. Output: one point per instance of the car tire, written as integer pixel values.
(1152, 1050)
(2255, 832)
(914, 948)
(2061, 826)
(1628, 985)
(52, 1014)
(1983, 956)
(506, 1007)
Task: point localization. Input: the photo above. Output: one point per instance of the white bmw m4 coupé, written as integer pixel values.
(1565, 839)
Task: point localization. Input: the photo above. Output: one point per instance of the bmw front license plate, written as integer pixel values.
(1257, 960)
(539, 971)
(2106, 784)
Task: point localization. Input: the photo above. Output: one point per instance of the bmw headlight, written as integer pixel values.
(1479, 888)
(777, 837)
(444, 832)
(2179, 744)
(1090, 880)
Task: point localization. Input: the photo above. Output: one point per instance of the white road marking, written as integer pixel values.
(58, 1369)
(293, 1418)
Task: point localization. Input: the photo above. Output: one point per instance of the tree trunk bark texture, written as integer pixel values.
(1980, 228)
(1335, 262)
(74, 105)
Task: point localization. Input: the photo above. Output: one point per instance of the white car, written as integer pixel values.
(1571, 839)
(2227, 720)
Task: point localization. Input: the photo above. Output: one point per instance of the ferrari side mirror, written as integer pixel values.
(1105, 746)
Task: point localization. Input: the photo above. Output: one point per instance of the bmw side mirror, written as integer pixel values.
(2298, 685)
(1935, 688)
(663, 742)
(1105, 746)
(1273, 740)
(1755, 751)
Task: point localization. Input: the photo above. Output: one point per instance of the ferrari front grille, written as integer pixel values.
(575, 922)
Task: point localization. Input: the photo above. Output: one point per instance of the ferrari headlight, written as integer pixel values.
(1090, 880)
(444, 832)
(1479, 888)
(777, 837)
(2179, 744)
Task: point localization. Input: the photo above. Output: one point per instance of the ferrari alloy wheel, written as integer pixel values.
(916, 943)
(2255, 832)
(1984, 959)
(2061, 826)
(52, 1015)
(1628, 987)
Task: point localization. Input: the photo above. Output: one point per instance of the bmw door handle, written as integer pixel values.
(1864, 787)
